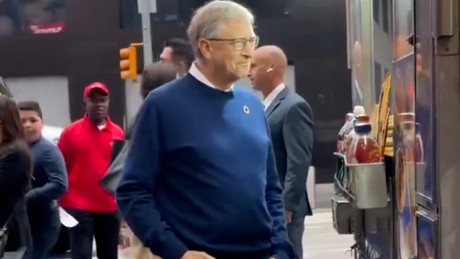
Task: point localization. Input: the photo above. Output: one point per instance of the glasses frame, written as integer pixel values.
(240, 43)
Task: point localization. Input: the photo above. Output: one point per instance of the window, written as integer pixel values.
(386, 14)
(403, 28)
(262, 8)
(32, 16)
(182, 10)
(376, 10)
(129, 17)
(167, 11)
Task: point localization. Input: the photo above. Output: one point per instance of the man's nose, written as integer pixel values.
(247, 51)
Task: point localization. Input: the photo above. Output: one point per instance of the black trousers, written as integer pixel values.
(104, 227)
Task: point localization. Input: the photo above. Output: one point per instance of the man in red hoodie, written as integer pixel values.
(87, 148)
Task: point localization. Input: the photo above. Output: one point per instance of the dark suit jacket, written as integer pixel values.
(290, 119)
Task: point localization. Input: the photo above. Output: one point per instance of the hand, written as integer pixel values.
(196, 255)
(288, 216)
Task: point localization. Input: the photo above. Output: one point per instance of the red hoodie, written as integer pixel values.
(87, 152)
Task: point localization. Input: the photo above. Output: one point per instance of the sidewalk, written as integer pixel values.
(320, 239)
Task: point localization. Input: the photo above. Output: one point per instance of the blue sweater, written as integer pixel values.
(200, 174)
(49, 177)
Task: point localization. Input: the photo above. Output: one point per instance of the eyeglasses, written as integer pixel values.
(241, 43)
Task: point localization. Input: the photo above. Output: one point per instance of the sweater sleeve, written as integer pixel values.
(137, 186)
(281, 247)
(53, 164)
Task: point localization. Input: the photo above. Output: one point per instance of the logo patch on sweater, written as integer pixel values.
(246, 109)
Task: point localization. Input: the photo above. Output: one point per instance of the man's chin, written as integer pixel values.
(32, 139)
(100, 115)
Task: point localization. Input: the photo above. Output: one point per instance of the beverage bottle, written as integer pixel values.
(363, 118)
(406, 117)
(341, 136)
(357, 111)
(363, 148)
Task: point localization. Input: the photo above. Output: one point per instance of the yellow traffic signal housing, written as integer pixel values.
(128, 62)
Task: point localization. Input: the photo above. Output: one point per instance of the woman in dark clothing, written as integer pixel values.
(15, 175)
(48, 184)
(154, 75)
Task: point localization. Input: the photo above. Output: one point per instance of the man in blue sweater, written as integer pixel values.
(200, 180)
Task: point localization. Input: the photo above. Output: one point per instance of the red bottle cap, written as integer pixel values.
(362, 118)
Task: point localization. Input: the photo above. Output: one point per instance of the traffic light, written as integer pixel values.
(128, 62)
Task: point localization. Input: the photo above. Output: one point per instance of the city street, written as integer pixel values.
(320, 239)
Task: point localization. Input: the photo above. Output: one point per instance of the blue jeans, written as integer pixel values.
(45, 226)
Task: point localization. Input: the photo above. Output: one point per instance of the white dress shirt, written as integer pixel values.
(196, 73)
(273, 94)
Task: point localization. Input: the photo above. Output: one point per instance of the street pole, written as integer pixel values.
(146, 8)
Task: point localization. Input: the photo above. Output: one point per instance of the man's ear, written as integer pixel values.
(183, 64)
(205, 48)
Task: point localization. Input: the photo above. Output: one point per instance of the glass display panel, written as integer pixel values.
(362, 62)
(356, 53)
(403, 27)
(424, 108)
(405, 145)
(426, 240)
(378, 79)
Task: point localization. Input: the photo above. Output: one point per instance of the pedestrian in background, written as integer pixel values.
(154, 75)
(15, 176)
(178, 52)
(290, 119)
(49, 181)
(87, 148)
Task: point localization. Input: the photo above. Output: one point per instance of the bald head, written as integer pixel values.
(273, 56)
(268, 67)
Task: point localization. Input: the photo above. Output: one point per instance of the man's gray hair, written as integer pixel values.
(207, 20)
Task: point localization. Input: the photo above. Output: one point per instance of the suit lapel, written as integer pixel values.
(277, 101)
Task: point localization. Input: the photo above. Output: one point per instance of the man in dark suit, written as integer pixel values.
(291, 124)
